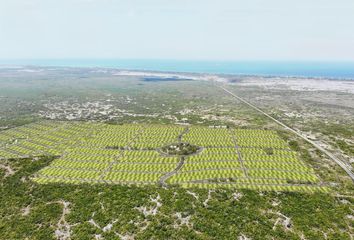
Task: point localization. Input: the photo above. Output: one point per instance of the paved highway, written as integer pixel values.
(344, 166)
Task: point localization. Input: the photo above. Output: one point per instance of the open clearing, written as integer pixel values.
(129, 154)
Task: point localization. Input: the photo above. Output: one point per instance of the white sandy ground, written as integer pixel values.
(283, 220)
(291, 83)
(106, 228)
(8, 170)
(205, 203)
(193, 194)
(169, 75)
(181, 220)
(237, 196)
(151, 210)
(300, 84)
(30, 70)
(63, 230)
(243, 237)
(26, 211)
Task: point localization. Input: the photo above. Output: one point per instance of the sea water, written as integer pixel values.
(341, 70)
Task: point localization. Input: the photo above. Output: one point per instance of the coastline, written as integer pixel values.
(271, 69)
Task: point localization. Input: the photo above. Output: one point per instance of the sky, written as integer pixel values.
(292, 30)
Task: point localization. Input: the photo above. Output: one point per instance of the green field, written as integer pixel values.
(128, 154)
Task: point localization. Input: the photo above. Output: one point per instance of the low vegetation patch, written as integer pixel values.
(180, 149)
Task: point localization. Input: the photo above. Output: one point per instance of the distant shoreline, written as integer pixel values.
(311, 70)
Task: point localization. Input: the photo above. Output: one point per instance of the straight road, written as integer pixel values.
(330, 155)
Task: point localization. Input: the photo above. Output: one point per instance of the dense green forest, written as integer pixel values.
(32, 211)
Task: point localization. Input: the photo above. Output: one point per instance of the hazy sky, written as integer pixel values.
(178, 29)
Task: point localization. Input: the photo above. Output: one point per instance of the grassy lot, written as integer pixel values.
(129, 154)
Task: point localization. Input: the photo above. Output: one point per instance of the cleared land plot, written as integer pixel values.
(242, 158)
(128, 154)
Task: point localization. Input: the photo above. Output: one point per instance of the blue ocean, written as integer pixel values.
(340, 70)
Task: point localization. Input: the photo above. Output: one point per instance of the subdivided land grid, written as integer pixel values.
(98, 153)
